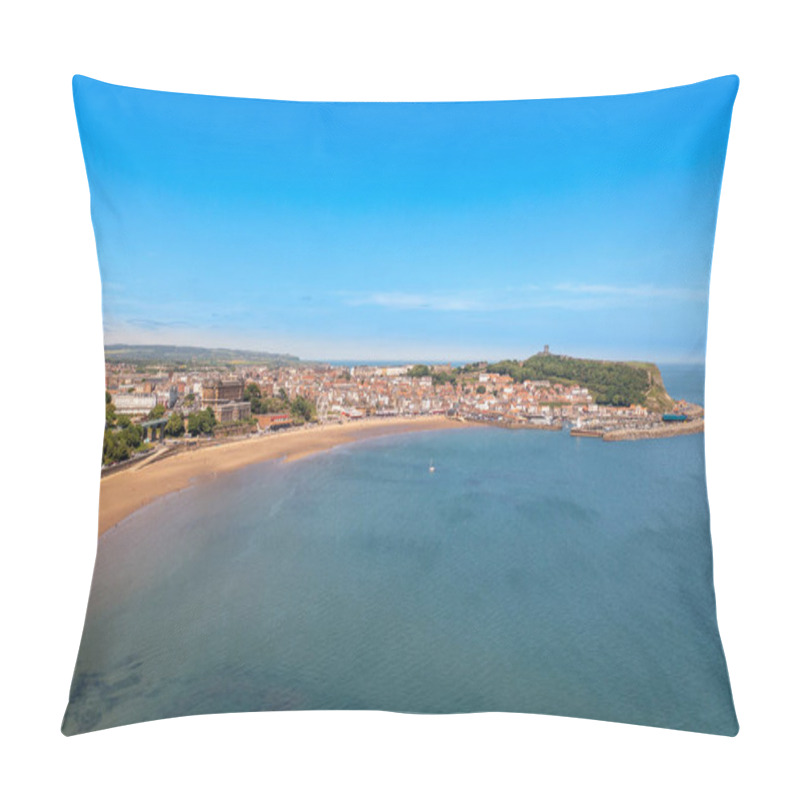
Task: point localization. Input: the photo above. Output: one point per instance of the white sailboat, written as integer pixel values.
(431, 468)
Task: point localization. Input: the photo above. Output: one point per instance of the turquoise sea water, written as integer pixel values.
(530, 572)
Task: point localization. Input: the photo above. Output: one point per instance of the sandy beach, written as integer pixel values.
(124, 492)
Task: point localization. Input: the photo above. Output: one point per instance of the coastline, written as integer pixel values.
(124, 492)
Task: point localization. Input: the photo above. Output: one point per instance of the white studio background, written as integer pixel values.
(52, 375)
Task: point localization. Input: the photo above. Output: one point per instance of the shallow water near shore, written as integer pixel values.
(532, 571)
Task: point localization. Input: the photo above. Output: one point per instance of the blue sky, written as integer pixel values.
(431, 231)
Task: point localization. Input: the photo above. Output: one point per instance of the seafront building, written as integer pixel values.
(225, 397)
(135, 404)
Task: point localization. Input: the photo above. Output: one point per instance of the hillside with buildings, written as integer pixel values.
(613, 383)
(160, 399)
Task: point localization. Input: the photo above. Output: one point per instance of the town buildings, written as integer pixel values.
(346, 393)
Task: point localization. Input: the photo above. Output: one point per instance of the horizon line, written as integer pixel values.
(395, 361)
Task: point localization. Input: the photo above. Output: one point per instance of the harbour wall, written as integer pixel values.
(658, 432)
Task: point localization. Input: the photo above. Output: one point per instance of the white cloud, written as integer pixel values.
(642, 291)
(450, 301)
(568, 296)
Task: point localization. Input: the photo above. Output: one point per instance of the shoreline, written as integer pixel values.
(128, 490)
(122, 493)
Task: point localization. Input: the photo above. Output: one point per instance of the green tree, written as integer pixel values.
(114, 448)
(133, 435)
(440, 378)
(303, 409)
(252, 394)
(201, 422)
(175, 426)
(419, 371)
(157, 411)
(111, 415)
(118, 445)
(272, 405)
(193, 424)
(251, 390)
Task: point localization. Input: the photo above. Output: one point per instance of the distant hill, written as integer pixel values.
(186, 356)
(617, 383)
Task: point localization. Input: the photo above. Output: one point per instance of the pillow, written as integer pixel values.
(404, 407)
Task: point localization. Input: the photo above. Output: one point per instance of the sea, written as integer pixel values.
(530, 572)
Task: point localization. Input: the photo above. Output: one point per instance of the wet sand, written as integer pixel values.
(124, 492)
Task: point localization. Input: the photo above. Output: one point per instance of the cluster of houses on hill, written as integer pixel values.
(341, 394)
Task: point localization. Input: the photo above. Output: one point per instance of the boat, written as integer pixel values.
(431, 468)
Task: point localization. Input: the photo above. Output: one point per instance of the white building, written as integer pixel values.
(133, 404)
